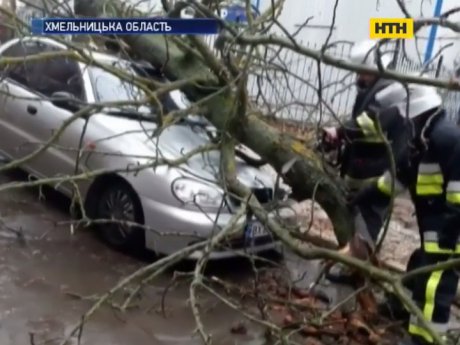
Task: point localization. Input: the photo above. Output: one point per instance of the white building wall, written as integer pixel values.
(352, 22)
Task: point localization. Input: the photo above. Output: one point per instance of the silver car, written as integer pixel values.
(176, 205)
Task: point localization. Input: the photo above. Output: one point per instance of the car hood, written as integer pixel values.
(134, 138)
(207, 165)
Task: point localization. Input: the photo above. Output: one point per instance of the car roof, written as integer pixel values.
(100, 56)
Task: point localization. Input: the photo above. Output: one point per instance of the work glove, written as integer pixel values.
(330, 135)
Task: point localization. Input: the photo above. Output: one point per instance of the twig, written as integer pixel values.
(157, 267)
(199, 267)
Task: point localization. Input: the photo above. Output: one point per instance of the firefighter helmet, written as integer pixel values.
(413, 100)
(364, 52)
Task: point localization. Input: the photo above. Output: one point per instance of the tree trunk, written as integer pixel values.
(306, 177)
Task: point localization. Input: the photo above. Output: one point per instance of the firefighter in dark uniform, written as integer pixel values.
(363, 160)
(429, 168)
(366, 155)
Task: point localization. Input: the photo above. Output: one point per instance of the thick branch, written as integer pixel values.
(306, 174)
(342, 63)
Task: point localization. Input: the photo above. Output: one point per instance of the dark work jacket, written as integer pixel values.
(366, 98)
(432, 175)
(363, 159)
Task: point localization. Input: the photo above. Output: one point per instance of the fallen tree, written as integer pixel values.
(307, 177)
(222, 87)
(219, 85)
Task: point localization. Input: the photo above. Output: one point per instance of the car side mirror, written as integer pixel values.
(65, 100)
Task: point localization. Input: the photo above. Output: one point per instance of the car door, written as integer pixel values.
(56, 74)
(14, 92)
(34, 115)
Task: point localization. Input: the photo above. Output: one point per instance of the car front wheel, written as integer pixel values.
(118, 208)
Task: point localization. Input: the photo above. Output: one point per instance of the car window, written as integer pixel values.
(183, 138)
(61, 74)
(45, 76)
(110, 88)
(19, 71)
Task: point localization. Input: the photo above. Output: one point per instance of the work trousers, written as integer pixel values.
(358, 174)
(369, 217)
(433, 292)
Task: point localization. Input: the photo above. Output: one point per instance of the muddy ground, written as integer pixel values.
(44, 266)
(46, 263)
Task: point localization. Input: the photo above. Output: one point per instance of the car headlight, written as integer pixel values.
(194, 192)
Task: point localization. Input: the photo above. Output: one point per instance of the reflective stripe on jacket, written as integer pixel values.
(433, 179)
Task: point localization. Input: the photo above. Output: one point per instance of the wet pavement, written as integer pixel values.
(44, 266)
(41, 263)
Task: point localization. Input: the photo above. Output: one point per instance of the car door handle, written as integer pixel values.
(31, 109)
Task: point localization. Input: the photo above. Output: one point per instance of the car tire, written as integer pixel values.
(119, 201)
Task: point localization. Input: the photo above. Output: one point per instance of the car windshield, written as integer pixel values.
(179, 139)
(110, 88)
(183, 139)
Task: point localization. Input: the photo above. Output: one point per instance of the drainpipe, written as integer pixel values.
(433, 31)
